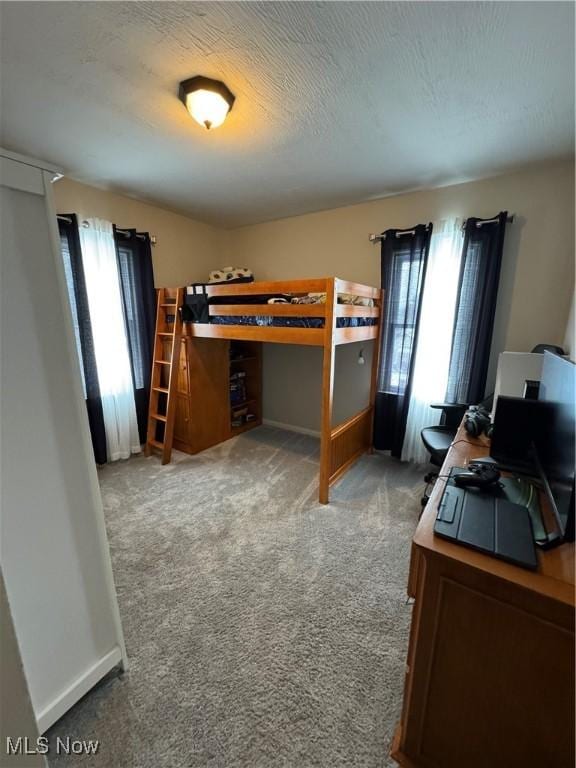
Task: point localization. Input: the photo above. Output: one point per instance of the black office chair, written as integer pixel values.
(437, 440)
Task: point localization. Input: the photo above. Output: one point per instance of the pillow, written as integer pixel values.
(310, 298)
(359, 301)
(229, 273)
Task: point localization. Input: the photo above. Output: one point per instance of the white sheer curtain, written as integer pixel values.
(110, 342)
(434, 337)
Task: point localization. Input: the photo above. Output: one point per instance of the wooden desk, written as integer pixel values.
(490, 668)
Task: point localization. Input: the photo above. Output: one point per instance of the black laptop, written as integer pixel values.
(484, 520)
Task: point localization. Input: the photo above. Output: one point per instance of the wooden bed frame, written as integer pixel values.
(342, 445)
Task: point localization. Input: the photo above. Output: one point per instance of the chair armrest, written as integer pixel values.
(452, 413)
(450, 406)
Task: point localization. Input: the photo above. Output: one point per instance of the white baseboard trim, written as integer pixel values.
(291, 428)
(62, 703)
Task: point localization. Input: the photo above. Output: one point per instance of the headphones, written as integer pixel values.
(477, 421)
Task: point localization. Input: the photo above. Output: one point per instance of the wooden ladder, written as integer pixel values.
(165, 371)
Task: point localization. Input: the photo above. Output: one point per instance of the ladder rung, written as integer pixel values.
(162, 362)
(165, 333)
(158, 416)
(174, 306)
(161, 389)
(156, 444)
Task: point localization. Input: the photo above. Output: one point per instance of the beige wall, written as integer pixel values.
(292, 379)
(536, 285)
(185, 251)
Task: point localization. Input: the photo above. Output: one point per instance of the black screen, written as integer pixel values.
(515, 422)
(555, 443)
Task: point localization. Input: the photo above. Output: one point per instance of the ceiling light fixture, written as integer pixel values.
(208, 101)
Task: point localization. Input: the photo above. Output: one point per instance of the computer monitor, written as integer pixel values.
(516, 423)
(555, 444)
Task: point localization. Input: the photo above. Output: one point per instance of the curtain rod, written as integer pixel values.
(376, 238)
(509, 220)
(125, 232)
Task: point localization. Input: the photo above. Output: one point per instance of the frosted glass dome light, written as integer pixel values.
(208, 101)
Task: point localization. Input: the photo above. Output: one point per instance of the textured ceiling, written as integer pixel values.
(336, 103)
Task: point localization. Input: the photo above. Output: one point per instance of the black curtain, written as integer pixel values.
(74, 270)
(475, 308)
(404, 260)
(134, 254)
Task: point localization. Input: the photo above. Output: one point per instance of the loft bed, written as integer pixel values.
(245, 311)
(327, 312)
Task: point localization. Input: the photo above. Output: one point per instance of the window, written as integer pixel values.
(134, 322)
(68, 270)
(402, 309)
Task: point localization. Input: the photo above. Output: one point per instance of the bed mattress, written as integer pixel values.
(291, 322)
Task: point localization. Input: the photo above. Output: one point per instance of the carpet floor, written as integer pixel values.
(264, 630)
